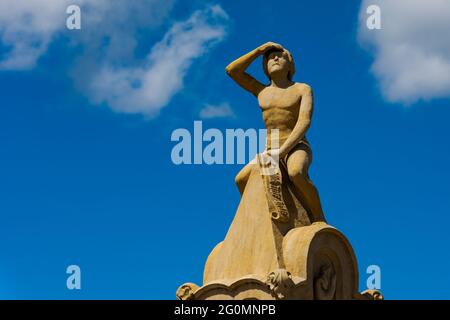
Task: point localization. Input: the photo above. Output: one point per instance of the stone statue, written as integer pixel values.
(286, 106)
(279, 245)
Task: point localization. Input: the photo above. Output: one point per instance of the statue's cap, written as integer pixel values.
(289, 57)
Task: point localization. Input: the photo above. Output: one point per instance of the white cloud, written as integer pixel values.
(107, 69)
(27, 28)
(411, 51)
(222, 110)
(149, 87)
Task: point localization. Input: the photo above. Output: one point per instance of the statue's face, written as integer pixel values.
(277, 62)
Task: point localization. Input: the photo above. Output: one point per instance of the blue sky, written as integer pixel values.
(86, 175)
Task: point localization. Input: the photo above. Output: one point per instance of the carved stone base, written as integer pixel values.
(320, 265)
(264, 257)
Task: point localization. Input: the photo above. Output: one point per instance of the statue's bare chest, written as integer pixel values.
(276, 98)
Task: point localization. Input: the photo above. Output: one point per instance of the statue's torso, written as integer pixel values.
(280, 109)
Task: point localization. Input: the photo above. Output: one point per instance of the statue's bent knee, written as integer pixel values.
(238, 179)
(297, 171)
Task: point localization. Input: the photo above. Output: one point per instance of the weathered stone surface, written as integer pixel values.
(265, 259)
(279, 245)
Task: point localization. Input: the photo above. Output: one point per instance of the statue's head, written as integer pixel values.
(278, 61)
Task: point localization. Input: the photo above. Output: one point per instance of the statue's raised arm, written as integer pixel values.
(237, 69)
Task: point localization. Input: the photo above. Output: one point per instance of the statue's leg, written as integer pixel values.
(242, 177)
(297, 165)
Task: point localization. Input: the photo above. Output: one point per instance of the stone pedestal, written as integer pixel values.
(268, 256)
